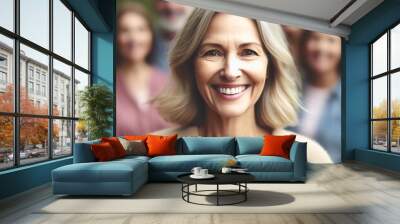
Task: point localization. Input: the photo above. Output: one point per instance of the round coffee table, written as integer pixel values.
(238, 179)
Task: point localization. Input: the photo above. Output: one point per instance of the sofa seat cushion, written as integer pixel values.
(185, 163)
(257, 163)
(112, 171)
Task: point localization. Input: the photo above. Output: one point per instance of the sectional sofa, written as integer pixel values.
(125, 176)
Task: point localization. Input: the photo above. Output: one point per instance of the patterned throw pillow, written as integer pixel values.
(134, 147)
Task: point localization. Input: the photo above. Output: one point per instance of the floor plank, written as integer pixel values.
(377, 190)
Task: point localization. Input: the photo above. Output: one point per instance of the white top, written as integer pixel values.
(314, 101)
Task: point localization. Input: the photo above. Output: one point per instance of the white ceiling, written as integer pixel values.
(319, 9)
(319, 15)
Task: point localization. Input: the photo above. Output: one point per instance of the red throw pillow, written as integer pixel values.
(277, 145)
(161, 145)
(103, 151)
(116, 145)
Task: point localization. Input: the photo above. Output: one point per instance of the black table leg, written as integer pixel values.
(195, 188)
(245, 193)
(217, 194)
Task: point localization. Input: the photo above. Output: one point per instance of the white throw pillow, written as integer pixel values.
(134, 147)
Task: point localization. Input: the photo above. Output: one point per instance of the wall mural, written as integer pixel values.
(197, 72)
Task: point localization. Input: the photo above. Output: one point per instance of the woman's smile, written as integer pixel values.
(230, 92)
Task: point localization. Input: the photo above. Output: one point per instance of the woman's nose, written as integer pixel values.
(231, 69)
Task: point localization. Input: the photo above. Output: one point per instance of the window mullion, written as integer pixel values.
(16, 84)
(73, 82)
(389, 101)
(50, 81)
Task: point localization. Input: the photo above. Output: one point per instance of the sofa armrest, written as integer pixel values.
(83, 152)
(298, 155)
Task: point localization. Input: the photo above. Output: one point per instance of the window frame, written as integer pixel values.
(16, 115)
(388, 74)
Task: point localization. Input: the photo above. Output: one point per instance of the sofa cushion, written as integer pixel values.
(103, 152)
(83, 152)
(249, 145)
(111, 171)
(208, 145)
(116, 145)
(257, 163)
(277, 145)
(159, 145)
(185, 163)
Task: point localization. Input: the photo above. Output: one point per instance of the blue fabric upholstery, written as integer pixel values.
(167, 168)
(118, 177)
(185, 163)
(298, 155)
(83, 152)
(249, 145)
(208, 145)
(257, 163)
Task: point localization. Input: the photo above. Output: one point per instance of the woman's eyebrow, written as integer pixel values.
(210, 45)
(250, 43)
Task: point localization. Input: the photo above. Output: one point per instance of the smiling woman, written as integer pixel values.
(230, 80)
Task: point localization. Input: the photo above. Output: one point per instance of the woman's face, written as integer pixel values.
(322, 53)
(231, 65)
(134, 37)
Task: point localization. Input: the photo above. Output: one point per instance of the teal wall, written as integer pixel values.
(356, 85)
(99, 16)
(24, 178)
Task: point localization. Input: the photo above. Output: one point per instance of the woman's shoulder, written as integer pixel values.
(180, 131)
(315, 152)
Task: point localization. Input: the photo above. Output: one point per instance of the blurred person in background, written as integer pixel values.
(137, 80)
(171, 19)
(319, 60)
(293, 36)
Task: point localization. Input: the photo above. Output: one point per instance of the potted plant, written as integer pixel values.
(96, 103)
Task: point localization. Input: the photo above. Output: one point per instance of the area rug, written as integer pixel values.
(166, 198)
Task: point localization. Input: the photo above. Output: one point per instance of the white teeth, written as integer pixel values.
(231, 91)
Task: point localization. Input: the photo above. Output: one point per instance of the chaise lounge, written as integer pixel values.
(125, 176)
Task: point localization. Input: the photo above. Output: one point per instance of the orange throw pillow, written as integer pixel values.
(103, 152)
(161, 145)
(277, 145)
(116, 145)
(135, 137)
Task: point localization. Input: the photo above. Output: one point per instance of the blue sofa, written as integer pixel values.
(125, 176)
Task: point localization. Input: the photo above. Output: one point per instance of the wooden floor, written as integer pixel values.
(377, 188)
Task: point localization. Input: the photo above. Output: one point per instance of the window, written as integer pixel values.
(30, 72)
(81, 45)
(3, 78)
(62, 30)
(7, 14)
(41, 124)
(37, 89)
(3, 61)
(34, 22)
(7, 73)
(30, 87)
(44, 91)
(62, 74)
(385, 91)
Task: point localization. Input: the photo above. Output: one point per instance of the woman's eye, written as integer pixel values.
(213, 53)
(248, 52)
